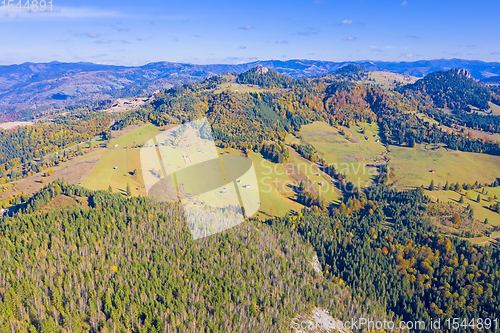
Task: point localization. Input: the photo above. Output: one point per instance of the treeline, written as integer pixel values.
(29, 144)
(131, 265)
(307, 198)
(407, 129)
(488, 123)
(266, 78)
(275, 152)
(307, 151)
(351, 72)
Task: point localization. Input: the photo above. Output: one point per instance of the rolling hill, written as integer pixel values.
(30, 87)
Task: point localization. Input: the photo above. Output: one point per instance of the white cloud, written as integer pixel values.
(347, 22)
(350, 38)
(104, 41)
(307, 33)
(404, 3)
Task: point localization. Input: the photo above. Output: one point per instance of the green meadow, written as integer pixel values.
(481, 210)
(413, 166)
(125, 158)
(243, 88)
(350, 152)
(327, 191)
(275, 191)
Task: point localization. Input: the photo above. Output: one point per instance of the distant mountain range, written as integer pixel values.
(31, 87)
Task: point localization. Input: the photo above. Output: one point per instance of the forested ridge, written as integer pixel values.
(131, 265)
(266, 78)
(454, 89)
(385, 248)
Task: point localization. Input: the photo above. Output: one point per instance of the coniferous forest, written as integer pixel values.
(116, 264)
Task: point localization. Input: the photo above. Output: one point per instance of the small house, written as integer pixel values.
(246, 186)
(238, 181)
(115, 146)
(115, 168)
(223, 191)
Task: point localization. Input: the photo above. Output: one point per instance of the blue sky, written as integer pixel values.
(137, 32)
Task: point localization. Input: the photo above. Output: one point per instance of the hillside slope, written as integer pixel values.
(131, 265)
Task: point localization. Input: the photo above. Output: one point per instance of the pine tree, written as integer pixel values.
(478, 198)
(129, 192)
(431, 186)
(110, 189)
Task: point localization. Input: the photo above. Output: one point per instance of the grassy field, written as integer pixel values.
(123, 157)
(413, 165)
(481, 210)
(494, 108)
(426, 119)
(350, 155)
(276, 195)
(277, 182)
(386, 79)
(244, 88)
(326, 191)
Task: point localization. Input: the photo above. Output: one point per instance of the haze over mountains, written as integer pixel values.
(30, 86)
